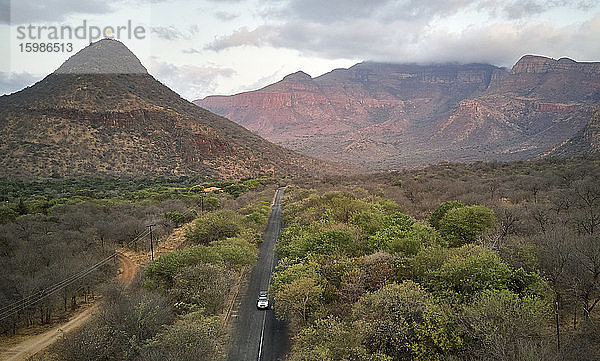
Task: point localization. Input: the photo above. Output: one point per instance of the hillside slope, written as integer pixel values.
(102, 114)
(392, 115)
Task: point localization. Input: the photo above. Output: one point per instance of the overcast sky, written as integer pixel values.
(205, 47)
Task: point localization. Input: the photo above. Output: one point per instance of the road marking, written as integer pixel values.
(262, 331)
(262, 336)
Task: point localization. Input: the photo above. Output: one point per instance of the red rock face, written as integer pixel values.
(540, 65)
(389, 116)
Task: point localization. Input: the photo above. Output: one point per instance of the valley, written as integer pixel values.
(391, 212)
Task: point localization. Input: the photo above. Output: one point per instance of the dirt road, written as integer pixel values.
(128, 269)
(37, 343)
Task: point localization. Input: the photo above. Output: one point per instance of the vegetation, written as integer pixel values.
(451, 262)
(474, 276)
(175, 312)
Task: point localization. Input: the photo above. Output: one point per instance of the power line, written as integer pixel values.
(40, 295)
(49, 292)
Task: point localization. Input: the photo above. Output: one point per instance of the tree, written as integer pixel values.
(235, 252)
(298, 300)
(194, 337)
(204, 285)
(501, 325)
(214, 226)
(175, 217)
(21, 208)
(586, 199)
(459, 274)
(329, 339)
(584, 272)
(120, 330)
(403, 322)
(7, 214)
(441, 211)
(407, 240)
(466, 224)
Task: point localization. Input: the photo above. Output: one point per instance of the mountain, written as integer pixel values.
(389, 116)
(102, 114)
(585, 143)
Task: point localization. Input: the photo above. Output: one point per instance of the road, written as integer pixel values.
(259, 336)
(37, 343)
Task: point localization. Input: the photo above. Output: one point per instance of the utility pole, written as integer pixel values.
(557, 325)
(202, 204)
(151, 240)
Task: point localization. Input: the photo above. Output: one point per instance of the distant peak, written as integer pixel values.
(566, 61)
(106, 56)
(298, 76)
(541, 64)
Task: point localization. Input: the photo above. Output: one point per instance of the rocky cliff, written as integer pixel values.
(394, 115)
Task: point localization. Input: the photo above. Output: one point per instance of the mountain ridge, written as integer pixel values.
(395, 115)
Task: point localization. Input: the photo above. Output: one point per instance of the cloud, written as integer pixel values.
(167, 32)
(173, 33)
(225, 16)
(504, 43)
(191, 51)
(413, 37)
(415, 10)
(263, 35)
(190, 81)
(4, 11)
(22, 12)
(12, 82)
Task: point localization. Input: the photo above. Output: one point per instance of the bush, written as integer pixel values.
(406, 240)
(7, 214)
(214, 226)
(159, 274)
(211, 203)
(466, 224)
(120, 330)
(203, 285)
(235, 252)
(231, 252)
(502, 325)
(460, 274)
(177, 218)
(403, 322)
(194, 337)
(439, 213)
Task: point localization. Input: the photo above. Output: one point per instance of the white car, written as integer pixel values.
(263, 300)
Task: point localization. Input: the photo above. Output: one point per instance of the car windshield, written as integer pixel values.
(262, 298)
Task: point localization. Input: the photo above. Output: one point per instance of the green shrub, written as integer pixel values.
(404, 322)
(194, 337)
(214, 226)
(441, 211)
(204, 285)
(466, 224)
(7, 214)
(177, 218)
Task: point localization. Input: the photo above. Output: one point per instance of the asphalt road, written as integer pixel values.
(259, 336)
